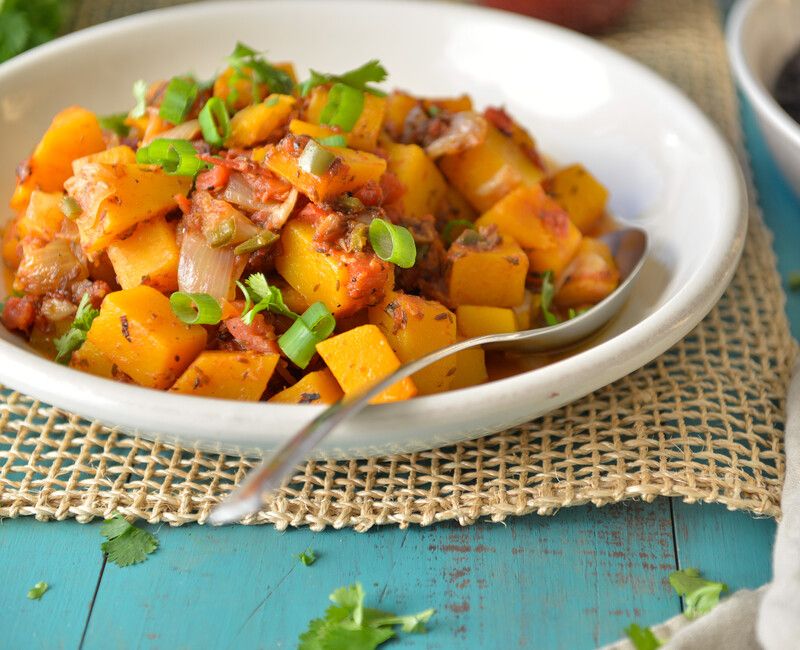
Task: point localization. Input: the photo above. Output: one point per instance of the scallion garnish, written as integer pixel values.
(299, 342)
(315, 159)
(215, 122)
(261, 240)
(178, 99)
(247, 64)
(69, 207)
(196, 308)
(359, 78)
(115, 123)
(176, 157)
(548, 290)
(337, 140)
(259, 296)
(344, 107)
(454, 228)
(140, 95)
(392, 243)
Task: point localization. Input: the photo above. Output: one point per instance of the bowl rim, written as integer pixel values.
(648, 338)
(752, 84)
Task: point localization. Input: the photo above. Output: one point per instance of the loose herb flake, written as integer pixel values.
(37, 591)
(700, 596)
(642, 638)
(307, 557)
(126, 543)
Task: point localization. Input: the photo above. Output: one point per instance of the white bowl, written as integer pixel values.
(667, 168)
(761, 36)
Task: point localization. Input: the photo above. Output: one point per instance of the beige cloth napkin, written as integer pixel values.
(769, 617)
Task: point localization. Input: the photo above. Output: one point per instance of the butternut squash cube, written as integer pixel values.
(138, 332)
(425, 187)
(334, 276)
(362, 356)
(149, 256)
(364, 134)
(398, 106)
(43, 217)
(415, 327)
(350, 170)
(312, 130)
(121, 154)
(74, 132)
(470, 369)
(591, 276)
(115, 198)
(493, 277)
(450, 104)
(524, 312)
(11, 245)
(477, 320)
(88, 358)
(487, 172)
(318, 387)
(238, 93)
(580, 194)
(241, 376)
(258, 122)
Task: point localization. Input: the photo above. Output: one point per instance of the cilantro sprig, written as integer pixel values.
(27, 23)
(260, 296)
(642, 638)
(307, 557)
(359, 78)
(348, 624)
(249, 65)
(76, 335)
(37, 591)
(126, 544)
(699, 595)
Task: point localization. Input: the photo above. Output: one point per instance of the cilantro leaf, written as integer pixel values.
(76, 335)
(548, 289)
(259, 296)
(358, 78)
(700, 596)
(348, 625)
(126, 544)
(37, 591)
(642, 638)
(115, 123)
(247, 64)
(307, 557)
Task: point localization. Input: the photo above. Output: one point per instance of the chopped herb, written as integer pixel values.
(337, 140)
(257, 242)
(573, 313)
(215, 123)
(76, 335)
(548, 289)
(393, 243)
(27, 23)
(315, 159)
(299, 342)
(348, 624)
(37, 591)
(195, 308)
(69, 207)
(433, 111)
(178, 98)
(140, 95)
(700, 596)
(343, 108)
(126, 543)
(259, 296)
(794, 280)
(247, 64)
(359, 78)
(453, 229)
(115, 123)
(307, 557)
(642, 638)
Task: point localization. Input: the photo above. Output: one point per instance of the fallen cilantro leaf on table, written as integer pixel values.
(37, 591)
(307, 557)
(126, 543)
(348, 625)
(794, 280)
(700, 596)
(642, 638)
(27, 23)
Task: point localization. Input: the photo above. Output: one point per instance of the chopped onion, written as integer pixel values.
(50, 268)
(275, 215)
(203, 269)
(184, 131)
(466, 130)
(57, 309)
(239, 192)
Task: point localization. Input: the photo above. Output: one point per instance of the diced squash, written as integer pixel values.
(88, 358)
(137, 331)
(312, 130)
(580, 194)
(238, 93)
(73, 133)
(398, 106)
(539, 224)
(11, 245)
(450, 104)
(362, 356)
(228, 375)
(425, 187)
(415, 327)
(331, 277)
(121, 154)
(115, 198)
(493, 277)
(258, 122)
(43, 217)
(591, 276)
(364, 134)
(524, 312)
(477, 320)
(155, 126)
(487, 172)
(318, 387)
(470, 369)
(350, 170)
(149, 256)
(50, 267)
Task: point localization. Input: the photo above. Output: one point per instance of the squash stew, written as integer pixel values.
(256, 238)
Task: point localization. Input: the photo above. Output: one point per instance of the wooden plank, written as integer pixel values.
(570, 581)
(65, 555)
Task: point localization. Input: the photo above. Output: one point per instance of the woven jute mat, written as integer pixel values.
(702, 422)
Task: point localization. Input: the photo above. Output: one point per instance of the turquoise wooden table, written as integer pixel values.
(569, 581)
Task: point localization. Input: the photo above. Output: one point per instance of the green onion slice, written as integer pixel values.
(548, 290)
(392, 243)
(344, 107)
(140, 94)
(177, 157)
(196, 308)
(69, 207)
(454, 228)
(299, 342)
(337, 140)
(178, 99)
(215, 122)
(261, 240)
(315, 159)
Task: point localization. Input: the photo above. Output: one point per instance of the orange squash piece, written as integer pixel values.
(580, 194)
(88, 358)
(318, 387)
(43, 217)
(364, 134)
(362, 356)
(149, 256)
(121, 154)
(258, 122)
(591, 276)
(477, 320)
(470, 369)
(228, 375)
(138, 332)
(425, 187)
(238, 93)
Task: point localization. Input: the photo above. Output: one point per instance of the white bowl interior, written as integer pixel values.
(769, 36)
(666, 168)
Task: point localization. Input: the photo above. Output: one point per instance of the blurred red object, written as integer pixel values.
(587, 16)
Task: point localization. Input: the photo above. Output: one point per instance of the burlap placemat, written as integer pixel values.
(703, 422)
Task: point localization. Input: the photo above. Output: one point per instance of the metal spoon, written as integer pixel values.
(628, 246)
